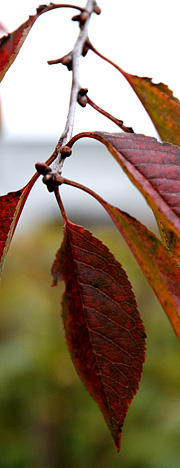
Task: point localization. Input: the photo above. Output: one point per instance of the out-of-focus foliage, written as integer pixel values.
(47, 418)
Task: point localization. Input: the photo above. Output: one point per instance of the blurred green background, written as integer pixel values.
(47, 418)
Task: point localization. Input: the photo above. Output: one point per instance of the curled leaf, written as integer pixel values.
(11, 43)
(104, 331)
(11, 206)
(153, 167)
(158, 100)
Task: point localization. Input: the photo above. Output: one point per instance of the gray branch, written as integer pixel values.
(75, 87)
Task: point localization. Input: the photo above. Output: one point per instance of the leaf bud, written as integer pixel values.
(48, 180)
(83, 91)
(97, 9)
(40, 8)
(42, 168)
(82, 18)
(76, 18)
(86, 47)
(58, 179)
(65, 151)
(67, 60)
(82, 100)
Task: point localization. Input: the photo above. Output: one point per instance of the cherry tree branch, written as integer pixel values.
(75, 87)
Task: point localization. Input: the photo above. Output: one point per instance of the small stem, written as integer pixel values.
(77, 137)
(118, 122)
(125, 74)
(65, 181)
(49, 161)
(103, 112)
(66, 5)
(91, 47)
(60, 204)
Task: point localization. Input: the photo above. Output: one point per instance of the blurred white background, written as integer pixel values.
(142, 37)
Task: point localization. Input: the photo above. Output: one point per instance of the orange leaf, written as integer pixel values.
(162, 107)
(104, 331)
(156, 261)
(158, 100)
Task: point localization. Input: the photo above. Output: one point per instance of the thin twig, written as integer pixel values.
(64, 5)
(118, 122)
(61, 180)
(91, 47)
(60, 204)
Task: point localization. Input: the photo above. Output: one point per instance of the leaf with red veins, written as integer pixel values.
(104, 331)
(11, 43)
(154, 168)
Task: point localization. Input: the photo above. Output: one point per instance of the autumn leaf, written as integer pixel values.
(170, 239)
(11, 43)
(153, 167)
(158, 100)
(11, 206)
(104, 331)
(163, 108)
(156, 261)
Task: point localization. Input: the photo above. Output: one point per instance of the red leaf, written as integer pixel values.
(153, 167)
(156, 261)
(11, 44)
(11, 206)
(104, 331)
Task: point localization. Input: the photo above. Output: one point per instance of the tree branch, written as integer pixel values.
(76, 54)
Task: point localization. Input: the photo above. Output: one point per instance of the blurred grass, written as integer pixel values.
(47, 418)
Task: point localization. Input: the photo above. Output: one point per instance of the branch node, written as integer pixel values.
(42, 168)
(65, 151)
(41, 8)
(52, 181)
(82, 98)
(65, 60)
(86, 47)
(75, 18)
(48, 180)
(96, 9)
(81, 18)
